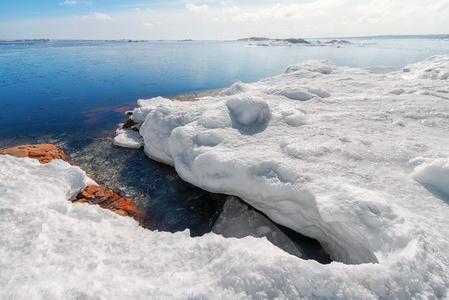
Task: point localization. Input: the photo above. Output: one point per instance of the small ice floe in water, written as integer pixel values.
(128, 138)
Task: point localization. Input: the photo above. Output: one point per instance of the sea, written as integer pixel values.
(74, 94)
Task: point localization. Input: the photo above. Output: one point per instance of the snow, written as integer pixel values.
(355, 159)
(362, 166)
(51, 248)
(435, 177)
(238, 221)
(128, 138)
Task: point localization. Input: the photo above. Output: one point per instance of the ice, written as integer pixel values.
(338, 165)
(436, 68)
(238, 221)
(128, 138)
(435, 177)
(249, 110)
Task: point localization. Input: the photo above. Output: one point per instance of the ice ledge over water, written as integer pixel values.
(328, 151)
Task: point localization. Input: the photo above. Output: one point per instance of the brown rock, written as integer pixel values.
(94, 194)
(42, 152)
(129, 123)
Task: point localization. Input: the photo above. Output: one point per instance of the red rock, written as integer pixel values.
(94, 194)
(42, 152)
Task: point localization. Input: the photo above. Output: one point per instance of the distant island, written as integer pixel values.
(265, 39)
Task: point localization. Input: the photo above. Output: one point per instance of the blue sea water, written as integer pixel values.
(53, 86)
(74, 93)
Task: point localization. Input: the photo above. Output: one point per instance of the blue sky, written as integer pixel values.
(219, 19)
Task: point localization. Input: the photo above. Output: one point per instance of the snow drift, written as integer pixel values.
(328, 151)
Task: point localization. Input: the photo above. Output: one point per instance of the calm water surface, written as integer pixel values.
(78, 86)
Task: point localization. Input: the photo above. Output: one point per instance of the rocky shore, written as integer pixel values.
(92, 194)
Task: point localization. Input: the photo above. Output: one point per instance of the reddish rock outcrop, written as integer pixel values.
(129, 123)
(42, 152)
(92, 194)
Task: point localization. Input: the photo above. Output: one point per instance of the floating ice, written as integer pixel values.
(128, 138)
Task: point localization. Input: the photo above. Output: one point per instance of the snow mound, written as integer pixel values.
(435, 177)
(435, 68)
(297, 94)
(236, 88)
(322, 67)
(249, 111)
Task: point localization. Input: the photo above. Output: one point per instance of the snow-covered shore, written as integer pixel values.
(357, 160)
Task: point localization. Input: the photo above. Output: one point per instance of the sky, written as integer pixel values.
(219, 19)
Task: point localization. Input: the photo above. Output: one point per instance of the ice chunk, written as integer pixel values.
(249, 110)
(397, 91)
(435, 177)
(238, 221)
(297, 94)
(319, 92)
(128, 138)
(237, 88)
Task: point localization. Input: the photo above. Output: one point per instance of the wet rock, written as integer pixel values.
(42, 152)
(129, 123)
(94, 194)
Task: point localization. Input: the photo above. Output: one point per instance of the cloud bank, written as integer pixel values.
(236, 19)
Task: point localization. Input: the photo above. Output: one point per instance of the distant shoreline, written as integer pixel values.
(403, 36)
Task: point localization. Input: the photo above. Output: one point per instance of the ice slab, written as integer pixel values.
(128, 138)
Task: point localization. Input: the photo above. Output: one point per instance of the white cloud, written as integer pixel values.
(218, 20)
(320, 8)
(303, 18)
(71, 3)
(197, 8)
(147, 10)
(102, 16)
(76, 3)
(231, 10)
